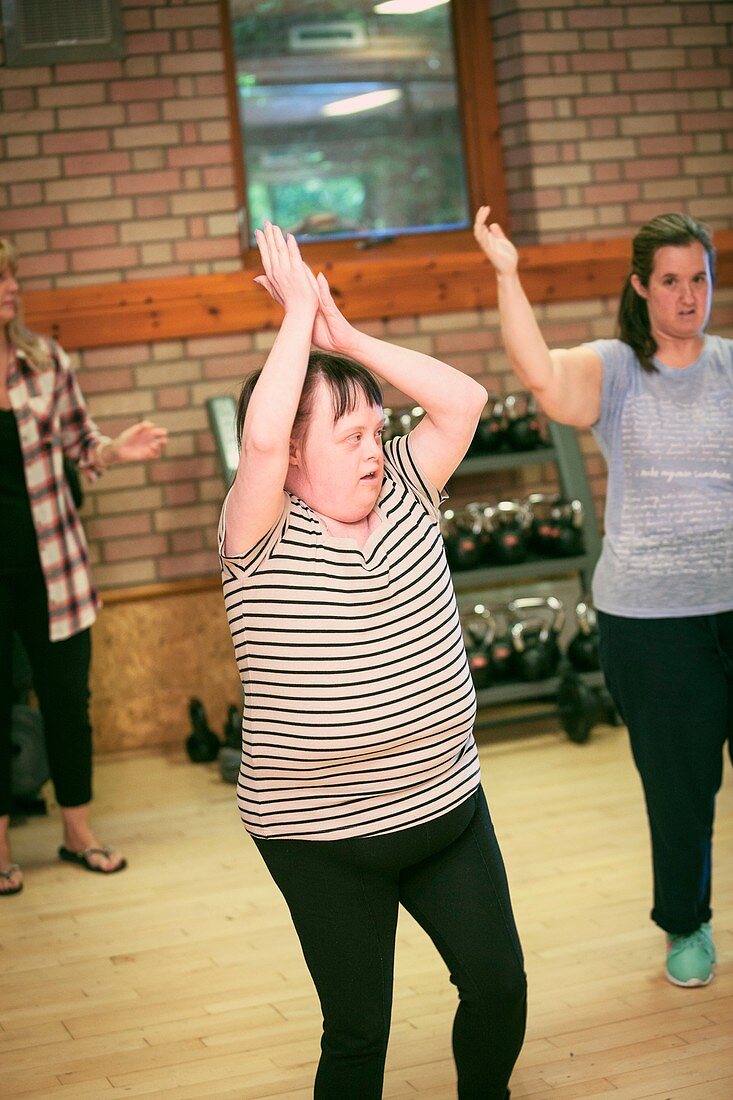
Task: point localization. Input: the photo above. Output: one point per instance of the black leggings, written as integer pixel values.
(672, 681)
(60, 680)
(343, 896)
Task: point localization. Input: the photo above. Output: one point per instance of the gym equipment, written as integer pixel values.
(230, 753)
(556, 528)
(583, 649)
(501, 651)
(29, 768)
(478, 628)
(489, 436)
(202, 744)
(508, 524)
(523, 431)
(582, 706)
(538, 621)
(462, 534)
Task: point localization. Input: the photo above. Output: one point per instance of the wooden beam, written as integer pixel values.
(372, 286)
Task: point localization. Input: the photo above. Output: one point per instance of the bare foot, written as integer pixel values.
(11, 878)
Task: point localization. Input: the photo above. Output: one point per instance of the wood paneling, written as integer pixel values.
(376, 285)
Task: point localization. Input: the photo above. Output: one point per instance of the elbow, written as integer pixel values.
(476, 397)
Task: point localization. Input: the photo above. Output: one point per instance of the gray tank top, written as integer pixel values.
(668, 443)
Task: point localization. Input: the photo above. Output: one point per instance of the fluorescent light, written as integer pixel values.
(406, 7)
(366, 102)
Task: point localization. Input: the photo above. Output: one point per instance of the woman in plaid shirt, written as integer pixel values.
(46, 590)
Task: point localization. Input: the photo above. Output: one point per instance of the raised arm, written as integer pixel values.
(255, 500)
(566, 382)
(452, 401)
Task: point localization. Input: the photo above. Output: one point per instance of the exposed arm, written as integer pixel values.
(452, 401)
(255, 500)
(566, 382)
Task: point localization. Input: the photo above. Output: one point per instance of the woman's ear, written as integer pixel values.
(294, 453)
(639, 287)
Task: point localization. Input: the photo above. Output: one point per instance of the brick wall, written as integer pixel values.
(612, 111)
(122, 169)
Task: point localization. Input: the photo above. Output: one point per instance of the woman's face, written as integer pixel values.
(679, 293)
(338, 468)
(8, 296)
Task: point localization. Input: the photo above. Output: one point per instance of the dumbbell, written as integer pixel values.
(508, 525)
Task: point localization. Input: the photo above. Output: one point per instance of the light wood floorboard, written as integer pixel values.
(181, 979)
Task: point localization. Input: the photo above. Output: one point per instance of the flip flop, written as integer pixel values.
(7, 875)
(82, 858)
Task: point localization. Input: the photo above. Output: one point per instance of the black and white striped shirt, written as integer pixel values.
(358, 701)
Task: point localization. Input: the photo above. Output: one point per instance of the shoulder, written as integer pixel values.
(719, 347)
(613, 353)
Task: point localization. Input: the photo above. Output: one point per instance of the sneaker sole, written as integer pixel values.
(690, 983)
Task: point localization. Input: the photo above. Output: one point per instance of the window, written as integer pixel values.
(359, 121)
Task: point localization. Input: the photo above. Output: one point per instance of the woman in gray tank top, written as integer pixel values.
(659, 400)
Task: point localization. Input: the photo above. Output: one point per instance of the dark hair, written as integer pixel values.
(633, 314)
(346, 380)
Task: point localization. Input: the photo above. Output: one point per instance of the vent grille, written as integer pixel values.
(39, 32)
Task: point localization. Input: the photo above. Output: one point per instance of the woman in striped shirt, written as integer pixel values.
(360, 778)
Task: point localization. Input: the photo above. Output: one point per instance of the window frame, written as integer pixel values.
(479, 110)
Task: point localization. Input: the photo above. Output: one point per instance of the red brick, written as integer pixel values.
(159, 88)
(149, 207)
(106, 381)
(50, 263)
(611, 192)
(602, 105)
(220, 153)
(202, 564)
(150, 546)
(18, 99)
(143, 113)
(77, 141)
(656, 168)
(206, 250)
(23, 194)
(219, 177)
(89, 70)
(184, 493)
(672, 143)
(206, 39)
(31, 217)
(132, 354)
(709, 78)
(96, 164)
(102, 259)
(172, 397)
(179, 469)
(213, 84)
(152, 42)
(147, 183)
(136, 523)
(84, 236)
(184, 542)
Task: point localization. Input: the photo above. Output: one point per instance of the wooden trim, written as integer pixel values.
(162, 590)
(371, 287)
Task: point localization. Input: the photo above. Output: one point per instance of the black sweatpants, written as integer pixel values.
(60, 680)
(672, 682)
(344, 895)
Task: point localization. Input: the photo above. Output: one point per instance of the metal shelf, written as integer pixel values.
(534, 568)
(520, 691)
(505, 460)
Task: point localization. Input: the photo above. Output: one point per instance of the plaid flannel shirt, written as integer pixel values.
(53, 422)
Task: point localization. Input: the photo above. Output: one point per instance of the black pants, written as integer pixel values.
(672, 681)
(343, 896)
(60, 680)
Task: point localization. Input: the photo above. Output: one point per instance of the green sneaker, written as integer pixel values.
(690, 959)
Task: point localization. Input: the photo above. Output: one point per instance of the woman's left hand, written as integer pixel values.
(331, 331)
(141, 442)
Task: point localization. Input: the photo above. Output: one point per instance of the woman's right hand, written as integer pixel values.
(286, 277)
(494, 243)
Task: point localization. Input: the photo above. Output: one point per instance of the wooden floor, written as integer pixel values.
(181, 978)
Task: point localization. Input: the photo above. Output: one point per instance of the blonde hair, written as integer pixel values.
(34, 347)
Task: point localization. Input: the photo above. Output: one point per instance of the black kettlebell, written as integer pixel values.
(501, 650)
(583, 649)
(535, 633)
(490, 430)
(523, 431)
(478, 628)
(202, 744)
(232, 730)
(507, 523)
(556, 528)
(462, 534)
